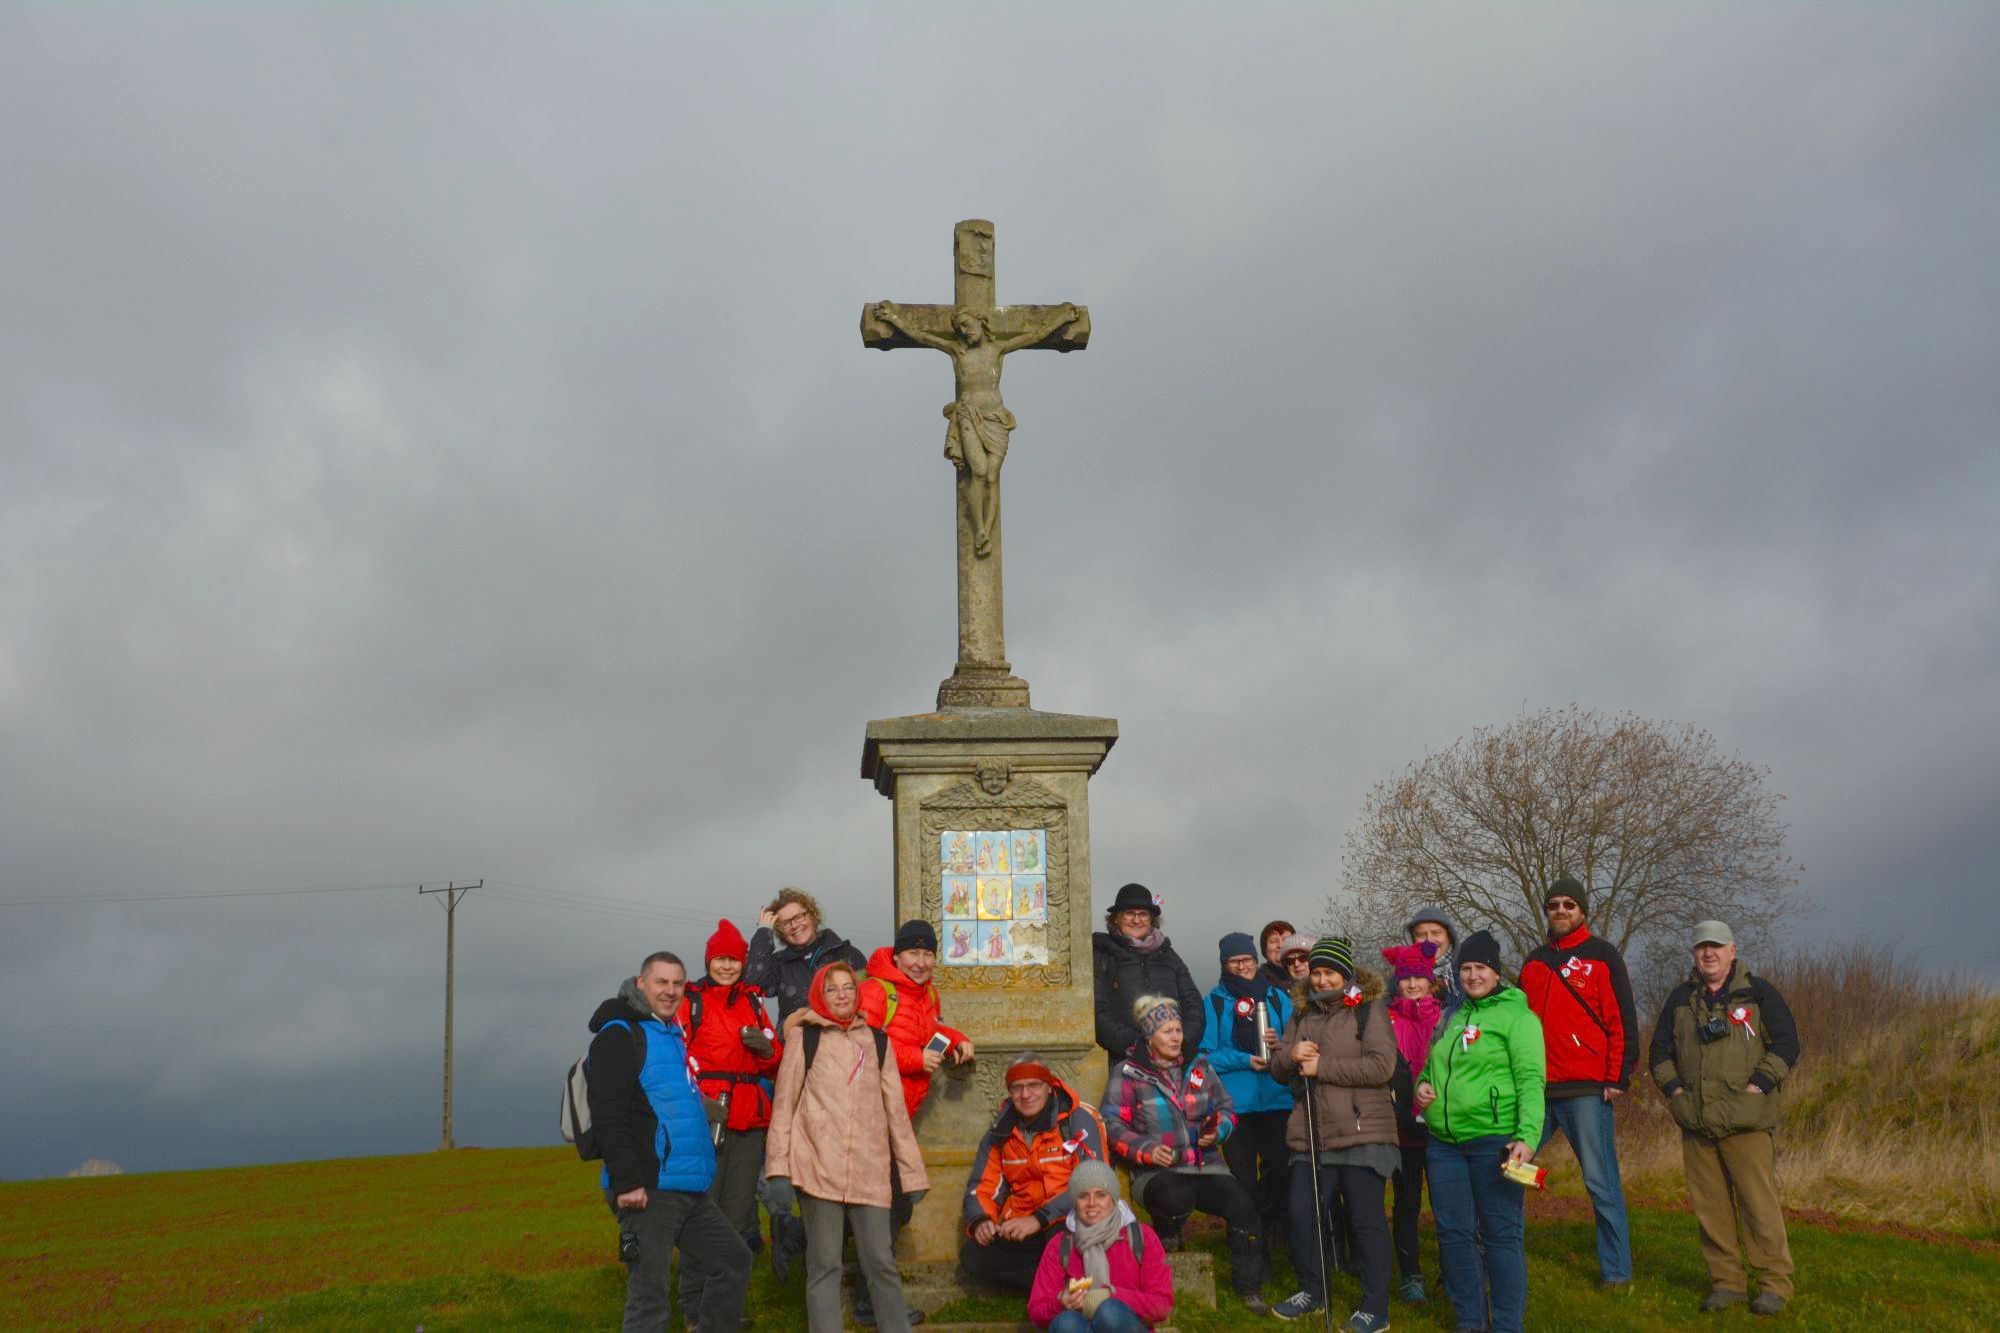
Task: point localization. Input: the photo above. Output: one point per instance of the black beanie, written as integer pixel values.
(915, 935)
(1568, 887)
(1479, 947)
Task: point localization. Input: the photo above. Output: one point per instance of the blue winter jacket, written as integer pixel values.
(647, 1114)
(1250, 1089)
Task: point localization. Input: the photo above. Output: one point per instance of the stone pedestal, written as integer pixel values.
(1020, 978)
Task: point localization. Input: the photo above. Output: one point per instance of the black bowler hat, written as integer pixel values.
(1136, 895)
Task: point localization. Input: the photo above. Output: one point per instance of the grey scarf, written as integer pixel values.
(1093, 1241)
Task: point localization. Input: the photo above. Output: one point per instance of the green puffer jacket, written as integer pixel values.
(1493, 1083)
(1757, 1047)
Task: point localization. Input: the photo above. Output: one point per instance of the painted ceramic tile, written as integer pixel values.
(1029, 850)
(992, 944)
(1031, 898)
(991, 855)
(1030, 940)
(960, 902)
(955, 852)
(996, 898)
(959, 945)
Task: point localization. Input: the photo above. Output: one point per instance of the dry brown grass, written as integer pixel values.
(1892, 1116)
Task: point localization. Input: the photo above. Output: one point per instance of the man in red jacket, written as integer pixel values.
(734, 1053)
(1577, 985)
(899, 997)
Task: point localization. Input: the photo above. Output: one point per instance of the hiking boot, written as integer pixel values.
(1767, 1302)
(1612, 1286)
(1363, 1322)
(1254, 1302)
(1411, 1290)
(1298, 1305)
(1721, 1298)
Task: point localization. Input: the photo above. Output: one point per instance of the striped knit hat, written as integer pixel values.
(1333, 951)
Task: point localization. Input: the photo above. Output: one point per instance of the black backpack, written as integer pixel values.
(811, 1041)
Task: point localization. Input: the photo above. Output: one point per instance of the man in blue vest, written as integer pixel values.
(659, 1157)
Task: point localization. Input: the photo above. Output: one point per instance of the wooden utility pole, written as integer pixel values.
(452, 893)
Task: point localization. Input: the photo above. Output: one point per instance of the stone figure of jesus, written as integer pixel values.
(979, 424)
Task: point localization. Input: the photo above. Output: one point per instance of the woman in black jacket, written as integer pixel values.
(1133, 959)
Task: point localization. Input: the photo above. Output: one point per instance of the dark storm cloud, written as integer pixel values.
(438, 446)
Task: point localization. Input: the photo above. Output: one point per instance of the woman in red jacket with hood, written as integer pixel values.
(734, 1053)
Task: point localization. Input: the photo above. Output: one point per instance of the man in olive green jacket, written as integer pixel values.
(1721, 1050)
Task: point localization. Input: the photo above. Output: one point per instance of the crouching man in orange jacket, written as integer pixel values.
(1018, 1191)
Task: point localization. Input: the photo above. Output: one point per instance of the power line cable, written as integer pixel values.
(65, 899)
(667, 916)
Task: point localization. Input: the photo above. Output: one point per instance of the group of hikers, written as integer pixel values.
(1306, 1100)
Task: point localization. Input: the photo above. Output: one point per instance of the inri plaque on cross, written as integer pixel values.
(977, 334)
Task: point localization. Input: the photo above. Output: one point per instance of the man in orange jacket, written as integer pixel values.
(899, 997)
(1019, 1187)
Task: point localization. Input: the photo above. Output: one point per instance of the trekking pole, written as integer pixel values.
(1319, 1208)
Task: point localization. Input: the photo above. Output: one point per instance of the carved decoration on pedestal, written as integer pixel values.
(996, 802)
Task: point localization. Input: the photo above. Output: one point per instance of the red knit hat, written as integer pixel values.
(726, 942)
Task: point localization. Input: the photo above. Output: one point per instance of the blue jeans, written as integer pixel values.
(1114, 1316)
(1587, 1123)
(1476, 1206)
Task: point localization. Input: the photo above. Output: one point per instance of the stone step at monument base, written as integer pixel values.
(932, 1286)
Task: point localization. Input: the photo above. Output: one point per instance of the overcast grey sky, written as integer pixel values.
(439, 444)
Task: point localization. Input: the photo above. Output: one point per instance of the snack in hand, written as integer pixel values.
(1526, 1174)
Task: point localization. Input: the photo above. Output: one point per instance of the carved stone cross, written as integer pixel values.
(977, 334)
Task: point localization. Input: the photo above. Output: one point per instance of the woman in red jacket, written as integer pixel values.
(734, 1054)
(1104, 1271)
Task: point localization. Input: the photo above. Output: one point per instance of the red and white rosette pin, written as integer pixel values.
(1196, 1077)
(1243, 1008)
(1741, 1015)
(1352, 997)
(1467, 1037)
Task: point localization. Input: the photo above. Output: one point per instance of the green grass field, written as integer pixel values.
(519, 1239)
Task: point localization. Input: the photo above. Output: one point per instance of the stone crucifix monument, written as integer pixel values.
(990, 799)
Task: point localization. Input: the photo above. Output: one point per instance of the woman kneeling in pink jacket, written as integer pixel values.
(1104, 1271)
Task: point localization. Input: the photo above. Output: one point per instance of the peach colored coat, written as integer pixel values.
(830, 1123)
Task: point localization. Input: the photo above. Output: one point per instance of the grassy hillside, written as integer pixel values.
(518, 1239)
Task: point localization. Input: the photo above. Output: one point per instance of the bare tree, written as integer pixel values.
(1666, 832)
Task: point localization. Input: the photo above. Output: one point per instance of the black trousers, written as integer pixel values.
(1360, 1189)
(1259, 1160)
(1172, 1195)
(1409, 1187)
(1004, 1263)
